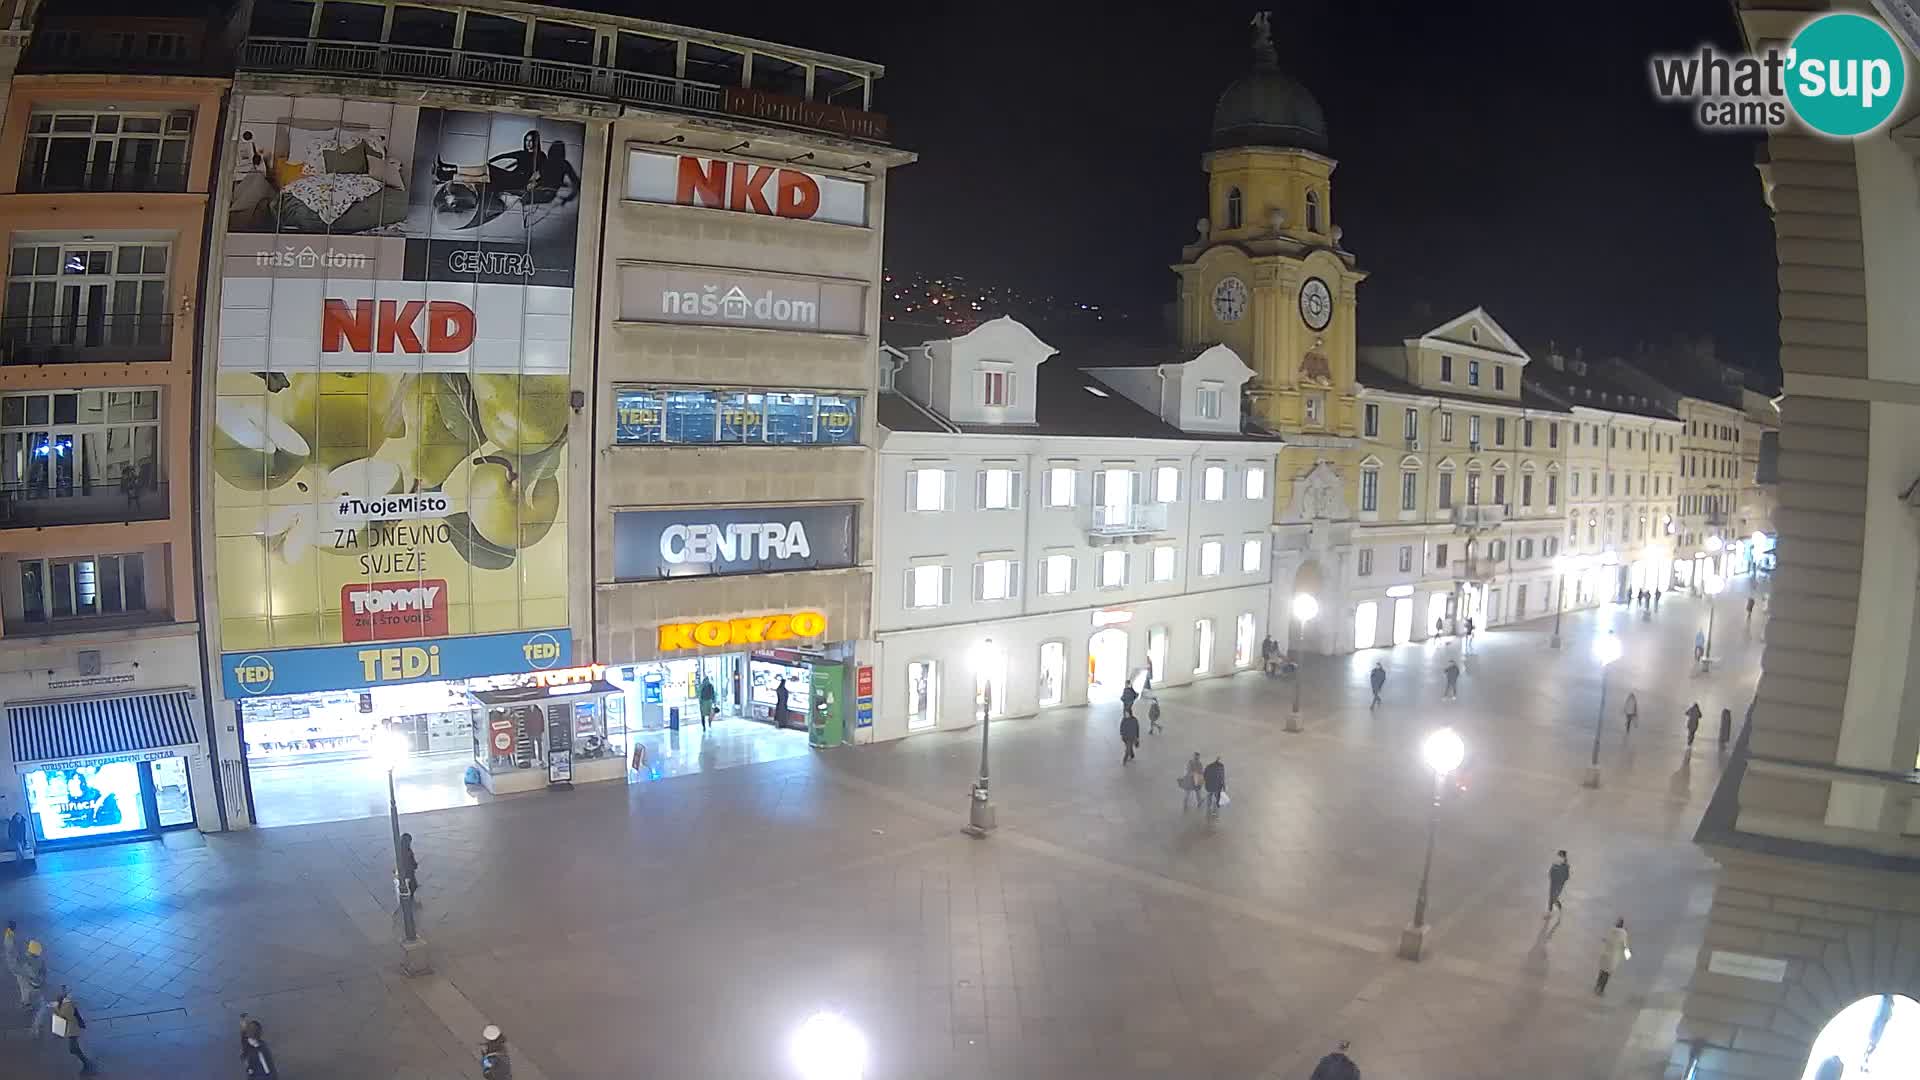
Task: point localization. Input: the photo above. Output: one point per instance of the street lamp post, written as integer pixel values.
(1305, 607)
(387, 752)
(1559, 568)
(1443, 752)
(1606, 651)
(980, 814)
(1712, 587)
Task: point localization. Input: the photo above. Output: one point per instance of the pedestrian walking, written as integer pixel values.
(1469, 634)
(1726, 727)
(1378, 678)
(1128, 696)
(409, 865)
(1699, 645)
(709, 703)
(1337, 1065)
(780, 693)
(31, 976)
(1194, 783)
(1153, 714)
(254, 1051)
(1614, 951)
(68, 1024)
(1632, 710)
(1656, 599)
(1557, 876)
(1749, 609)
(1214, 777)
(1453, 681)
(1693, 722)
(1269, 654)
(1129, 734)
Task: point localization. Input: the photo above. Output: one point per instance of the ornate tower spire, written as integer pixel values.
(1263, 54)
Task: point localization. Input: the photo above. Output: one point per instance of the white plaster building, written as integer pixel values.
(1094, 516)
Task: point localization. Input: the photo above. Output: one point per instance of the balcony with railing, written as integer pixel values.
(122, 45)
(1478, 517)
(83, 339)
(39, 505)
(474, 67)
(1134, 519)
(49, 178)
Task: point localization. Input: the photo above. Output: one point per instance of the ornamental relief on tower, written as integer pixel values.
(1319, 496)
(1316, 370)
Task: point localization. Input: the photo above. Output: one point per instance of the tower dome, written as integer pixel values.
(1265, 107)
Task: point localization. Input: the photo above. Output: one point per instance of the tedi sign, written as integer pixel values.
(653, 544)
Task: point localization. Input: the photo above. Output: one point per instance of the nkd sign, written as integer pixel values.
(653, 544)
(672, 294)
(744, 187)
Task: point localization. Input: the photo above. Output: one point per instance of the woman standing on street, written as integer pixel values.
(68, 1022)
(1632, 710)
(1613, 952)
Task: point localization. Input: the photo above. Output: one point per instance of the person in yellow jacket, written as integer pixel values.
(31, 975)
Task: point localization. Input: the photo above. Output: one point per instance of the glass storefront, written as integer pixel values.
(83, 802)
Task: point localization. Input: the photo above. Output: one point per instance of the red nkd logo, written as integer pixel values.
(738, 186)
(388, 610)
(391, 326)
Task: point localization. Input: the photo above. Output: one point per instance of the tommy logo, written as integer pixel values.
(385, 610)
(389, 326)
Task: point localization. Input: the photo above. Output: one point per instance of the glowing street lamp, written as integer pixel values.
(1305, 607)
(980, 813)
(828, 1047)
(1443, 751)
(1605, 650)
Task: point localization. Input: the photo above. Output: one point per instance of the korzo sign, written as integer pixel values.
(653, 544)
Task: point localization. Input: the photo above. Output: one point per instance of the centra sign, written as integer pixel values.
(753, 630)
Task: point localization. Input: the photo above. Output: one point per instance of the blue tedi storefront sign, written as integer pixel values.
(343, 667)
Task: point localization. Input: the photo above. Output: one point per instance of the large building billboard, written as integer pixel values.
(389, 433)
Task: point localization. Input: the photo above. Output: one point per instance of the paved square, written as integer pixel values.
(683, 927)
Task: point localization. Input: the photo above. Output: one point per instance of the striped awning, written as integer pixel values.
(101, 726)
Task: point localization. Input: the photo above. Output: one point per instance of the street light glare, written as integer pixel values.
(1606, 649)
(1444, 751)
(387, 749)
(829, 1047)
(1714, 584)
(1713, 543)
(982, 656)
(1305, 607)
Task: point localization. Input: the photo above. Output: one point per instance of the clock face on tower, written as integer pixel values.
(1316, 304)
(1229, 299)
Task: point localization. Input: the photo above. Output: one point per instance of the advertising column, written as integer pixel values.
(389, 435)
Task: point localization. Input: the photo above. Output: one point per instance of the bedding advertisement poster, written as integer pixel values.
(389, 439)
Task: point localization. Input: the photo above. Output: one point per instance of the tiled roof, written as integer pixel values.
(1375, 379)
(1592, 390)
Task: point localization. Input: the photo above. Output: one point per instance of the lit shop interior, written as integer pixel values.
(113, 799)
(663, 707)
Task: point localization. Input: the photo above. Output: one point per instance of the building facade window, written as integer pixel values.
(1473, 432)
(996, 579)
(1313, 212)
(1406, 558)
(998, 488)
(1056, 575)
(1206, 401)
(1236, 209)
(1166, 484)
(1113, 569)
(1499, 489)
(1163, 559)
(1446, 427)
(1210, 558)
(1473, 372)
(68, 443)
(1526, 433)
(1446, 369)
(1316, 408)
(1526, 489)
(88, 295)
(1553, 491)
(646, 416)
(1445, 498)
(1369, 490)
(928, 585)
(1202, 646)
(1060, 482)
(1553, 436)
(71, 150)
(1440, 556)
(1250, 556)
(923, 695)
(1409, 490)
(1363, 562)
(927, 489)
(1213, 486)
(1256, 482)
(1370, 421)
(53, 590)
(1499, 376)
(1499, 431)
(996, 388)
(1411, 427)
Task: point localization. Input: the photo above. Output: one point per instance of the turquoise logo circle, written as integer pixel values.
(1846, 75)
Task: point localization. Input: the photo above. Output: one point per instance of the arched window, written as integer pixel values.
(1313, 211)
(1235, 210)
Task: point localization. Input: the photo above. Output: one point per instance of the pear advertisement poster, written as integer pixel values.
(389, 438)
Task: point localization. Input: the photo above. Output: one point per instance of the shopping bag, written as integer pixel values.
(62, 1027)
(1225, 799)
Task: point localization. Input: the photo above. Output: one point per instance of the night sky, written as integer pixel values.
(1508, 154)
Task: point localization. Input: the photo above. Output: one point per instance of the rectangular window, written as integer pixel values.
(1163, 557)
(1250, 556)
(1576, 483)
(1166, 484)
(1409, 490)
(1499, 377)
(1210, 558)
(923, 694)
(1056, 575)
(996, 579)
(1473, 489)
(1553, 436)
(1243, 633)
(1214, 484)
(1316, 409)
(98, 301)
(1406, 558)
(1576, 434)
(1609, 482)
(1473, 431)
(1526, 433)
(1553, 491)
(999, 489)
(1370, 421)
(996, 388)
(1500, 489)
(1473, 373)
(927, 489)
(1202, 646)
(1060, 481)
(1440, 556)
(1446, 491)
(1613, 438)
(1256, 482)
(1369, 490)
(1411, 426)
(1363, 563)
(1113, 569)
(77, 455)
(1446, 369)
(1206, 400)
(107, 151)
(1526, 489)
(1446, 427)
(1499, 431)
(80, 587)
(645, 416)
(927, 586)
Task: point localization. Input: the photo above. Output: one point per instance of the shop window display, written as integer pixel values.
(86, 801)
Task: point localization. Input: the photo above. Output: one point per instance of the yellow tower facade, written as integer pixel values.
(1267, 277)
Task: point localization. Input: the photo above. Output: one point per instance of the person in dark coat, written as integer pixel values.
(1693, 722)
(1726, 726)
(1127, 697)
(780, 704)
(1453, 681)
(1337, 1065)
(254, 1051)
(1378, 678)
(409, 866)
(1749, 609)
(1557, 876)
(1129, 735)
(1215, 777)
(709, 703)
